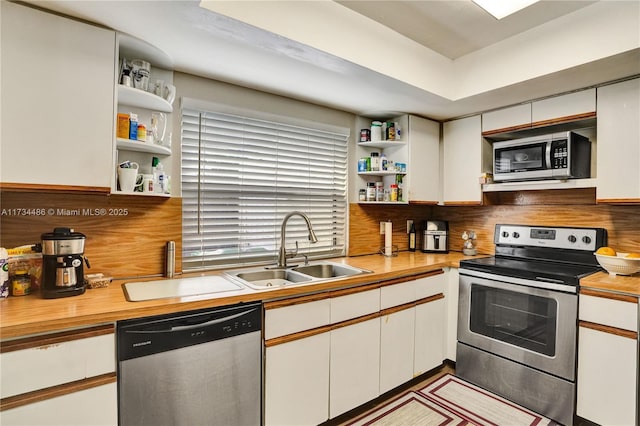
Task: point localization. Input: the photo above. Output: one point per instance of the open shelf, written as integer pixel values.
(139, 146)
(139, 98)
(382, 144)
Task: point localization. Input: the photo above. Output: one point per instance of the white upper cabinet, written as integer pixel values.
(465, 159)
(619, 142)
(564, 107)
(423, 182)
(57, 100)
(507, 118)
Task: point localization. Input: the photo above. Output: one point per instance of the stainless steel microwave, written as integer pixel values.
(565, 155)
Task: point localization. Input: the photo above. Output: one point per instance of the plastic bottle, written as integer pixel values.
(383, 162)
(158, 175)
(4, 272)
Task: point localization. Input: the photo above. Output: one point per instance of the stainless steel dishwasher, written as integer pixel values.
(191, 368)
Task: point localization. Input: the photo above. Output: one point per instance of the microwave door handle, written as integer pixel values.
(547, 155)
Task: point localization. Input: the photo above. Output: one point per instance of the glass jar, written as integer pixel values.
(371, 191)
(362, 196)
(379, 191)
(21, 284)
(375, 161)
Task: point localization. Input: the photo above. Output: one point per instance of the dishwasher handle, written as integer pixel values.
(208, 323)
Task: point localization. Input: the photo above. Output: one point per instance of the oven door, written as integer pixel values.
(532, 326)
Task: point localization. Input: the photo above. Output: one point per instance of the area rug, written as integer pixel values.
(412, 409)
(450, 401)
(479, 406)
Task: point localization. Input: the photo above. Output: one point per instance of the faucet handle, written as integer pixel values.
(293, 253)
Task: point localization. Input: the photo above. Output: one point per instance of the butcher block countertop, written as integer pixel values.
(620, 284)
(27, 315)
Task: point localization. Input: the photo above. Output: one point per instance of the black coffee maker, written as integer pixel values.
(62, 263)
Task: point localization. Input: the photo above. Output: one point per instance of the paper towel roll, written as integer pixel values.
(388, 239)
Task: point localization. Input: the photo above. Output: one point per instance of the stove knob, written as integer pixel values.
(516, 235)
(586, 239)
(572, 238)
(505, 234)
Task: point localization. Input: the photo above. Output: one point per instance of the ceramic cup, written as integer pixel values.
(128, 178)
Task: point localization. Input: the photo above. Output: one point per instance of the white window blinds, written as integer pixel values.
(241, 176)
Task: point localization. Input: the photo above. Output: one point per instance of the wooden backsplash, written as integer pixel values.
(126, 235)
(621, 222)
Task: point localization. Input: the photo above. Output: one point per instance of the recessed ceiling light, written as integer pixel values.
(502, 8)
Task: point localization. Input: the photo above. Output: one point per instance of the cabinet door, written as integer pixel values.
(355, 366)
(423, 180)
(57, 100)
(93, 406)
(518, 116)
(430, 327)
(463, 161)
(607, 372)
(297, 382)
(397, 331)
(619, 142)
(563, 107)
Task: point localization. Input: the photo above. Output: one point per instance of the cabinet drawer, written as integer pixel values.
(614, 313)
(94, 406)
(295, 318)
(56, 359)
(354, 305)
(398, 294)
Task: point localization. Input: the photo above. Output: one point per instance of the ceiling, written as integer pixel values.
(437, 58)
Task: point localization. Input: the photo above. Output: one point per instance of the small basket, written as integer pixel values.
(619, 265)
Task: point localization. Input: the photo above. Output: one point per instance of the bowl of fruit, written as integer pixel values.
(618, 263)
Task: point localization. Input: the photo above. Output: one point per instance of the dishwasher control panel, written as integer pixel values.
(146, 336)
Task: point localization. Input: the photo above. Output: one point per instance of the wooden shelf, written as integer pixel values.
(139, 146)
(142, 194)
(406, 203)
(141, 99)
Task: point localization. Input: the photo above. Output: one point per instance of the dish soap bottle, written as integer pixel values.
(158, 175)
(412, 237)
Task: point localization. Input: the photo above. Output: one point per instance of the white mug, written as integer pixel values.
(128, 177)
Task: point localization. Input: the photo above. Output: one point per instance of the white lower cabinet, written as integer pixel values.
(65, 378)
(94, 406)
(397, 337)
(328, 354)
(430, 328)
(297, 381)
(607, 371)
(608, 358)
(355, 366)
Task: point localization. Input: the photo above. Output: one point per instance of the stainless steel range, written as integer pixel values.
(517, 318)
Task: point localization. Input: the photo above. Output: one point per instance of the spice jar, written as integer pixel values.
(394, 192)
(371, 191)
(375, 161)
(20, 284)
(379, 191)
(362, 196)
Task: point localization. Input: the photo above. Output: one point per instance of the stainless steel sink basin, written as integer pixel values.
(265, 279)
(328, 270)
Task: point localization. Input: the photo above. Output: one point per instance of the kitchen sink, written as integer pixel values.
(271, 278)
(267, 279)
(328, 270)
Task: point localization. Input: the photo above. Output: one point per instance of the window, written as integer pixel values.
(242, 175)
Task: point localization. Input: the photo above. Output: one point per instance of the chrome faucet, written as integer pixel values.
(283, 255)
